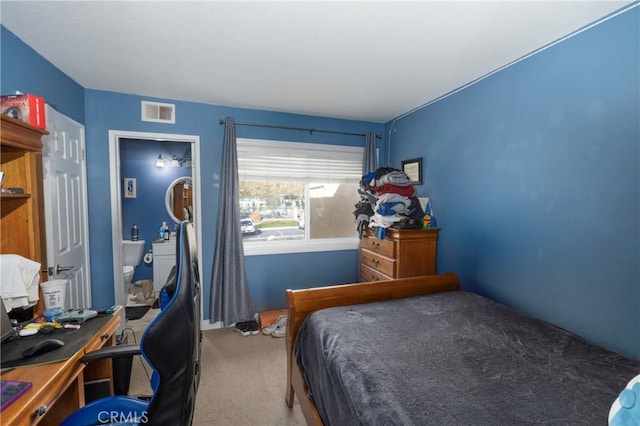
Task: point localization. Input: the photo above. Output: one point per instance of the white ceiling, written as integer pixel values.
(368, 61)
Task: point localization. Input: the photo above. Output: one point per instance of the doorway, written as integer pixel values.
(117, 139)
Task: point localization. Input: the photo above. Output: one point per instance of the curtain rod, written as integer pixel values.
(270, 126)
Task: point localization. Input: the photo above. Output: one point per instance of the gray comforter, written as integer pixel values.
(453, 359)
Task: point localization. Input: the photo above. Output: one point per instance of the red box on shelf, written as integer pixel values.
(27, 108)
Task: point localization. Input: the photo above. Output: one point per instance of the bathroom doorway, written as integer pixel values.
(125, 150)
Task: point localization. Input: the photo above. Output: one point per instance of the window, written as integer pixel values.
(299, 196)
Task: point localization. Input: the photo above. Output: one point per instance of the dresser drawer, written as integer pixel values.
(383, 247)
(403, 253)
(378, 262)
(370, 275)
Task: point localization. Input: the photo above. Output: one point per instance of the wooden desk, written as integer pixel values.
(58, 388)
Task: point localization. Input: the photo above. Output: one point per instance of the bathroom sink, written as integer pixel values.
(160, 247)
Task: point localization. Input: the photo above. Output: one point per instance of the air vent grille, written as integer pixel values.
(158, 112)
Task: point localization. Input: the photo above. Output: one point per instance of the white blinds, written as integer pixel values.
(277, 161)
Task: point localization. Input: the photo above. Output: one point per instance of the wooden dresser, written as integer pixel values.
(22, 224)
(403, 253)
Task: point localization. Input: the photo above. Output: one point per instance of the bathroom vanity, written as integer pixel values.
(164, 258)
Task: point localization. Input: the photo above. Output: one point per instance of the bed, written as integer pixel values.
(421, 351)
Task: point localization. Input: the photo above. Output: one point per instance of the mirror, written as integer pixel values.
(179, 199)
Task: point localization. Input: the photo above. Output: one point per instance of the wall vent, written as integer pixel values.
(158, 112)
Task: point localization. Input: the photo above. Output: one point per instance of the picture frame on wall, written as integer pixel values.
(413, 169)
(129, 187)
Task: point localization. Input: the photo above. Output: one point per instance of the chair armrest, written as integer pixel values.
(112, 352)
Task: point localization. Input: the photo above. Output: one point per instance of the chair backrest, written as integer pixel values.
(171, 343)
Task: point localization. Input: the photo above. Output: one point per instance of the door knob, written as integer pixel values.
(58, 269)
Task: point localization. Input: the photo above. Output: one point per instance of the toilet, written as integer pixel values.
(132, 252)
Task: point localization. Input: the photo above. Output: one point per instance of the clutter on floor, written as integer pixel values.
(266, 318)
(278, 328)
(246, 328)
(272, 323)
(140, 299)
(141, 291)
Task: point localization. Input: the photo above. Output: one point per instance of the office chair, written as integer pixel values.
(171, 345)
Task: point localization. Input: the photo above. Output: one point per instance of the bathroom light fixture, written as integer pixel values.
(177, 162)
(174, 162)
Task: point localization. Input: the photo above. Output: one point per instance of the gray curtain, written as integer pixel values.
(230, 297)
(369, 162)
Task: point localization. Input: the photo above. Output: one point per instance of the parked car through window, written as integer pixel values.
(247, 228)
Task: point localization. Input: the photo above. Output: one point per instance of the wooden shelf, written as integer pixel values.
(22, 215)
(20, 135)
(10, 195)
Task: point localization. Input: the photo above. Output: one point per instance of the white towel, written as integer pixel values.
(19, 279)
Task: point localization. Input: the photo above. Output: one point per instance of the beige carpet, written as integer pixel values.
(242, 383)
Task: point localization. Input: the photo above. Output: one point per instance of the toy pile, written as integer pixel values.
(387, 199)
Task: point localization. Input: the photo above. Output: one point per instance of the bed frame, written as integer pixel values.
(303, 302)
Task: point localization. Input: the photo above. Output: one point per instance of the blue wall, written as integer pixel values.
(24, 70)
(148, 210)
(268, 276)
(533, 173)
(534, 177)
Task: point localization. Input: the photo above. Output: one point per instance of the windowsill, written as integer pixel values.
(300, 246)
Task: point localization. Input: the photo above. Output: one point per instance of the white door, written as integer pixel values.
(66, 207)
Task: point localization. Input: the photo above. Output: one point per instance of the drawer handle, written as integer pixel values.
(375, 262)
(105, 336)
(375, 244)
(40, 411)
